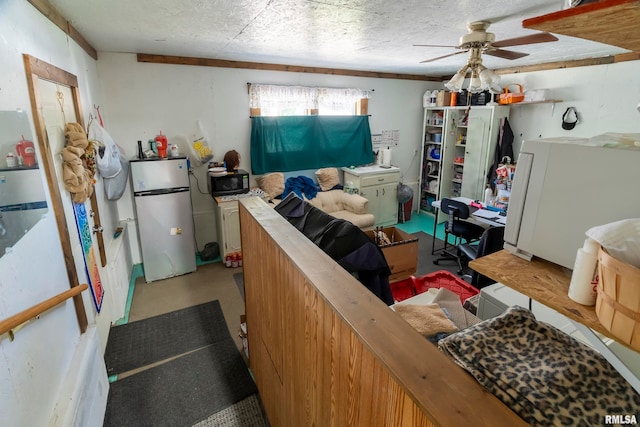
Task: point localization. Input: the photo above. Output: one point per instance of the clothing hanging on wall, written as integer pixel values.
(504, 147)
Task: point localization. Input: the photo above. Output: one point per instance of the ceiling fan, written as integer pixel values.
(478, 41)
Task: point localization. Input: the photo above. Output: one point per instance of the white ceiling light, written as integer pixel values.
(490, 80)
(482, 78)
(455, 84)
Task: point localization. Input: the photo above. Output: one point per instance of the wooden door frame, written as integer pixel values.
(37, 69)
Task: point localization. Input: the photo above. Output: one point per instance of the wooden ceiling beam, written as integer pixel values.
(558, 65)
(61, 22)
(208, 62)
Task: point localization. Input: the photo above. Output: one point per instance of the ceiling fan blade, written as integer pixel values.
(434, 45)
(442, 57)
(505, 54)
(530, 39)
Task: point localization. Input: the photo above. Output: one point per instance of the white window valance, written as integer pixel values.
(276, 100)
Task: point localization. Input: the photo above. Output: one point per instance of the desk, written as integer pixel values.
(479, 216)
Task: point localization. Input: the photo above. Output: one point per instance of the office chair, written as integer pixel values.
(492, 240)
(461, 230)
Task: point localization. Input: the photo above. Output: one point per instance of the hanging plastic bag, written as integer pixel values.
(199, 147)
(114, 187)
(111, 162)
(108, 155)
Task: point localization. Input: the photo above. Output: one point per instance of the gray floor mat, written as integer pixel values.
(146, 341)
(183, 391)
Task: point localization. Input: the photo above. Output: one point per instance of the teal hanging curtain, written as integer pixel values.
(290, 143)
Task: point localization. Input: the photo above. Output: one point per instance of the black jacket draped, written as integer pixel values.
(344, 242)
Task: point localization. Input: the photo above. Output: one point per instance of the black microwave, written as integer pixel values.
(229, 184)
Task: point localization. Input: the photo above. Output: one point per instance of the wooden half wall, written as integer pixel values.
(325, 351)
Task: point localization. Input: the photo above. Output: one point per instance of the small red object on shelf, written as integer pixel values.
(161, 144)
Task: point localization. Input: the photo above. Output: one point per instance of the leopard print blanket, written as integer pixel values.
(544, 375)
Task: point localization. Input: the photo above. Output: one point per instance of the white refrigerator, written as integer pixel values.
(165, 221)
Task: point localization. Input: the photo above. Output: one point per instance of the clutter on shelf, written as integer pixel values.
(511, 97)
(504, 172)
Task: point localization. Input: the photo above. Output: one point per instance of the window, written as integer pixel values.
(274, 100)
(298, 128)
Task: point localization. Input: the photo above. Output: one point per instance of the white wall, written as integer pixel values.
(605, 97)
(141, 99)
(35, 365)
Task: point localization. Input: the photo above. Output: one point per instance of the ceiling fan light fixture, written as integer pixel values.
(494, 88)
(490, 80)
(455, 84)
(475, 85)
(481, 79)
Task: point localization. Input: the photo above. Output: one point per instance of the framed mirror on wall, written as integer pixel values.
(22, 197)
(55, 101)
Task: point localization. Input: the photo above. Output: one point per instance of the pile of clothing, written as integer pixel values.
(300, 185)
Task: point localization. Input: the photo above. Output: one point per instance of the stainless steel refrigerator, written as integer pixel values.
(165, 222)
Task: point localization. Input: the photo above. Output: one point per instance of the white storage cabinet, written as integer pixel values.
(465, 138)
(228, 226)
(380, 187)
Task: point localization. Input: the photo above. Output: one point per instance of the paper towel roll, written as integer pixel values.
(591, 246)
(582, 288)
(386, 157)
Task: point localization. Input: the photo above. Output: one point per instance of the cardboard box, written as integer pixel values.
(401, 254)
(443, 99)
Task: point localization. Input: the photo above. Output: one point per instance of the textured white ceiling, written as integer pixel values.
(368, 35)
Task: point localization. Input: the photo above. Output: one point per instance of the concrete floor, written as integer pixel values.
(209, 282)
